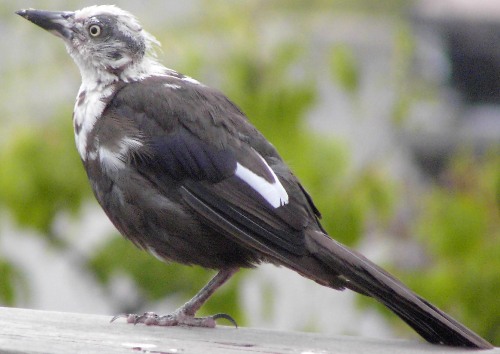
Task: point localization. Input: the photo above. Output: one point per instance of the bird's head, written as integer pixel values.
(106, 42)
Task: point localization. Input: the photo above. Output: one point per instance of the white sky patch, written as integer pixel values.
(274, 193)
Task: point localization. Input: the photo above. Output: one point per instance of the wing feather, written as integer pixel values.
(198, 138)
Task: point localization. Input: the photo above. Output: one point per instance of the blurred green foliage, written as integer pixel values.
(459, 226)
(344, 68)
(41, 174)
(9, 278)
(404, 81)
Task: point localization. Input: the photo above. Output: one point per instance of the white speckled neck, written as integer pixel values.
(88, 108)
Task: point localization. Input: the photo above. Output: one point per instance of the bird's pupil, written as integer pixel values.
(95, 30)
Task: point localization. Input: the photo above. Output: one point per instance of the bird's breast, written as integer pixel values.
(89, 106)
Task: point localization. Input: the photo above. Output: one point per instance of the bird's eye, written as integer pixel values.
(95, 30)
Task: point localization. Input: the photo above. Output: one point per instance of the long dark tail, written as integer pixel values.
(363, 276)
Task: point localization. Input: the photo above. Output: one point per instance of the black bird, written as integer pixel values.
(183, 174)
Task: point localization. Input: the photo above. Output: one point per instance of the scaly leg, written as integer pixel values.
(184, 315)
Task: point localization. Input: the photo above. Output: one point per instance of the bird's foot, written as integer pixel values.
(184, 316)
(177, 318)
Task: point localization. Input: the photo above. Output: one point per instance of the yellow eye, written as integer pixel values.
(95, 30)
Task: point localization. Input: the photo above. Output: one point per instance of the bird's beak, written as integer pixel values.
(59, 23)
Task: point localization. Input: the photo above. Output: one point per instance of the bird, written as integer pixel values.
(183, 174)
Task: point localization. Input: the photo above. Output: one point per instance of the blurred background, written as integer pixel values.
(389, 113)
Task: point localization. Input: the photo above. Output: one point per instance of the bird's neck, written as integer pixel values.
(96, 75)
(90, 103)
(98, 85)
(147, 67)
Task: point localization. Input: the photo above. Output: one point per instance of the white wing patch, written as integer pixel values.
(172, 86)
(111, 161)
(273, 193)
(129, 143)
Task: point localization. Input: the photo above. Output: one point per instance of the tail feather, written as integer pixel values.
(362, 275)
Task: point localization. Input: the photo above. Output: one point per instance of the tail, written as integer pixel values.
(361, 275)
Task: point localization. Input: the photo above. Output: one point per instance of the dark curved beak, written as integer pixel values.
(59, 23)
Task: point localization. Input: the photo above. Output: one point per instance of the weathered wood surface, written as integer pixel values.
(30, 331)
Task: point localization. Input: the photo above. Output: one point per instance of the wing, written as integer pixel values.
(226, 170)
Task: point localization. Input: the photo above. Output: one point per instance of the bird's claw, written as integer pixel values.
(177, 318)
(121, 315)
(226, 317)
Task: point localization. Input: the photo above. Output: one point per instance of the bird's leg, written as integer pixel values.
(184, 315)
